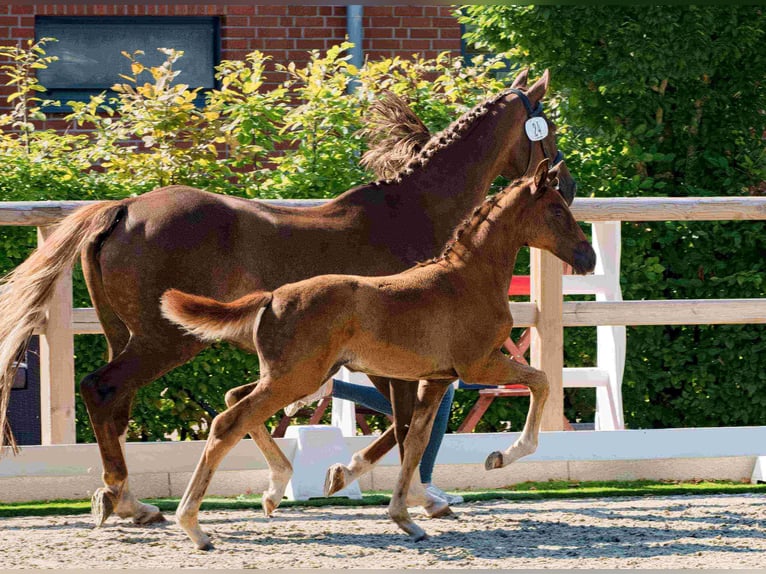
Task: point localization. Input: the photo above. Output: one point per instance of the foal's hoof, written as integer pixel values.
(101, 506)
(148, 514)
(494, 460)
(445, 512)
(335, 479)
(269, 503)
(205, 545)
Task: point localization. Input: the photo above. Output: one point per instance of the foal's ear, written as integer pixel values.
(538, 89)
(521, 79)
(540, 178)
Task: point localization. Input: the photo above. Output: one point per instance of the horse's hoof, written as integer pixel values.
(101, 506)
(335, 479)
(494, 460)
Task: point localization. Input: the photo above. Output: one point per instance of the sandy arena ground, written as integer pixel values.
(723, 531)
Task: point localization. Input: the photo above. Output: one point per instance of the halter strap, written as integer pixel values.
(536, 112)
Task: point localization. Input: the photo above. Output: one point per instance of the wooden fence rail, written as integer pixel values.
(546, 314)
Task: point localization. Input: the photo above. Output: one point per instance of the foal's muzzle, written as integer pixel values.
(584, 258)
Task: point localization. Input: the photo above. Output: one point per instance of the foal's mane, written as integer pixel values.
(415, 146)
(471, 224)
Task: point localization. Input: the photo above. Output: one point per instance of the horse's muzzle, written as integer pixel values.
(584, 258)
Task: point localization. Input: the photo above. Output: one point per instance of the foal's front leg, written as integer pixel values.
(500, 370)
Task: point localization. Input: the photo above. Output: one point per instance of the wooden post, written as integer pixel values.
(57, 388)
(547, 349)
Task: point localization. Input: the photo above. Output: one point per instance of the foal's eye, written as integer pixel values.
(557, 210)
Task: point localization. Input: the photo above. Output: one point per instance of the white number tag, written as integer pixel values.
(537, 129)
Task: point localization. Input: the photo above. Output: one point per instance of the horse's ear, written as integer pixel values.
(521, 79)
(538, 89)
(540, 178)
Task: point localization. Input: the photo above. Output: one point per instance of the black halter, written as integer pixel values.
(536, 112)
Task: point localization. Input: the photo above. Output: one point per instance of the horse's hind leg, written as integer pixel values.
(280, 469)
(226, 431)
(429, 396)
(108, 395)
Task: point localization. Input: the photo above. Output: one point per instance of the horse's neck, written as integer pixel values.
(456, 178)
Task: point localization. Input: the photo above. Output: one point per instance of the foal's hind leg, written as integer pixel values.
(225, 432)
(429, 396)
(500, 370)
(280, 469)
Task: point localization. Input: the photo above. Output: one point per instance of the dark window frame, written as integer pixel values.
(64, 95)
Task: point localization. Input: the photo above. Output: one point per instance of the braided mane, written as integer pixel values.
(439, 141)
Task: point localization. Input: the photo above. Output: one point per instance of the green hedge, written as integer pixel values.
(663, 100)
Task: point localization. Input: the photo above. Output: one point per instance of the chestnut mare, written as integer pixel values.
(133, 250)
(440, 320)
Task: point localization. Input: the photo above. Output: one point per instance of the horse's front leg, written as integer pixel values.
(429, 395)
(280, 469)
(500, 370)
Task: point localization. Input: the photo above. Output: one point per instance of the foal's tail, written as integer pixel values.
(25, 293)
(209, 319)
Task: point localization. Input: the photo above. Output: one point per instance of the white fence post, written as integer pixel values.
(612, 340)
(57, 388)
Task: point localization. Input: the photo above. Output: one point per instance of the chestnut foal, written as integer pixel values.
(440, 320)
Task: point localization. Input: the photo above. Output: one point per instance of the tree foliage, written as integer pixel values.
(663, 100)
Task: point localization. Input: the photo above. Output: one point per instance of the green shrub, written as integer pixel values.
(663, 100)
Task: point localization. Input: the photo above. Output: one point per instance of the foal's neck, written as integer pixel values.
(486, 249)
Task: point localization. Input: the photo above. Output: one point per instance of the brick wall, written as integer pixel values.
(285, 33)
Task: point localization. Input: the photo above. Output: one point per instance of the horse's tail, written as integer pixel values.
(209, 319)
(25, 293)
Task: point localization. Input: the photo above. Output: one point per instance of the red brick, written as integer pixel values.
(325, 10)
(408, 10)
(235, 21)
(309, 44)
(418, 22)
(22, 9)
(22, 33)
(424, 33)
(241, 10)
(235, 44)
(335, 22)
(271, 32)
(416, 44)
(445, 23)
(265, 21)
(385, 22)
(309, 21)
(378, 10)
(314, 32)
(446, 45)
(401, 33)
(431, 10)
(272, 10)
(451, 33)
(384, 44)
(278, 43)
(379, 33)
(9, 21)
(446, 11)
(302, 10)
(286, 21)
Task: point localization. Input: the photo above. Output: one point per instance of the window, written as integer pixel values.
(90, 50)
